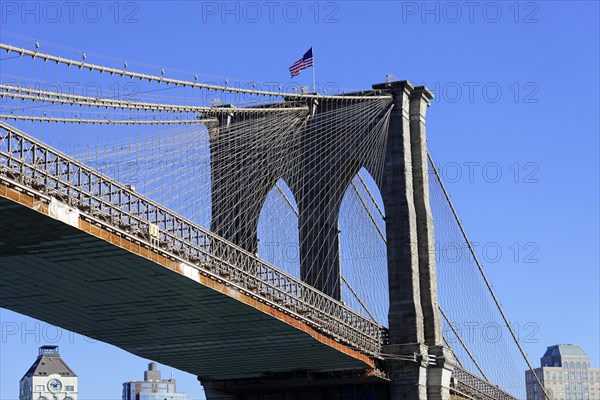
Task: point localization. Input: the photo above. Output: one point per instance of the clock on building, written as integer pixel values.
(49, 378)
(54, 385)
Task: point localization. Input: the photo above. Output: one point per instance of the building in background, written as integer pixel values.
(153, 387)
(566, 374)
(49, 378)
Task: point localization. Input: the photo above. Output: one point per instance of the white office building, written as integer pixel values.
(566, 374)
(49, 378)
(153, 387)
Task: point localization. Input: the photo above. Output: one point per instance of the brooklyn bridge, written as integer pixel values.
(276, 244)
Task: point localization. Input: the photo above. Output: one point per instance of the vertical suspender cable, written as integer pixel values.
(487, 282)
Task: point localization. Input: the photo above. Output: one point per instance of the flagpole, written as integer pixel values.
(313, 70)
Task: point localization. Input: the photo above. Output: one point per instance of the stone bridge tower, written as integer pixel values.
(414, 319)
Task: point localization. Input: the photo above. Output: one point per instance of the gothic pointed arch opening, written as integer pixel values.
(363, 249)
(277, 231)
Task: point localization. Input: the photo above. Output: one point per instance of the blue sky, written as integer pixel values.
(517, 95)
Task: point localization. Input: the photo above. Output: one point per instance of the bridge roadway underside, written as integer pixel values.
(80, 281)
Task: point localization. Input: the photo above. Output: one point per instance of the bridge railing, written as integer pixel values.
(465, 384)
(52, 174)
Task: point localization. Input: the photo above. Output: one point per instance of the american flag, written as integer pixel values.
(303, 63)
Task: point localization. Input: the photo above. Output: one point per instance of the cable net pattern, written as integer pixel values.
(293, 179)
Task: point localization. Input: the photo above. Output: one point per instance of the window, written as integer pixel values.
(578, 365)
(70, 388)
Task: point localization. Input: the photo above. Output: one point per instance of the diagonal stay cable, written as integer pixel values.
(483, 275)
(463, 343)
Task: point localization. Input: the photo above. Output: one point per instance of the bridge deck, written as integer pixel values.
(143, 302)
(229, 316)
